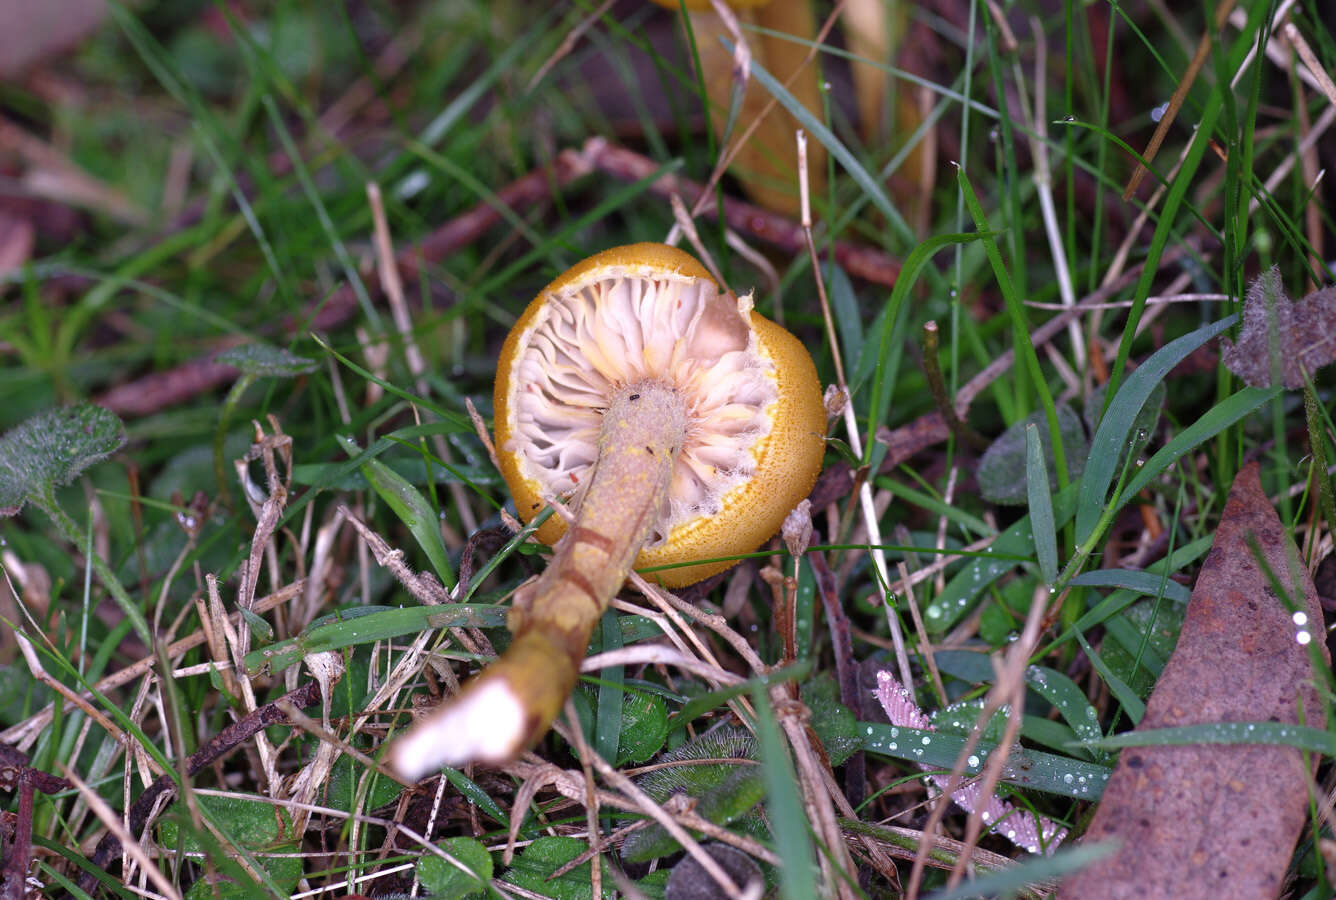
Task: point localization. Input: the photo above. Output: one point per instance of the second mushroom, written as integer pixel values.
(676, 424)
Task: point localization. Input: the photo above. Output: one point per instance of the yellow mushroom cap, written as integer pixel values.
(756, 422)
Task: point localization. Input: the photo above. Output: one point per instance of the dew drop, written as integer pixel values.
(1300, 618)
(973, 761)
(1303, 637)
(1158, 112)
(1068, 779)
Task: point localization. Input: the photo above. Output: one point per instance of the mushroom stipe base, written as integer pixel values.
(553, 616)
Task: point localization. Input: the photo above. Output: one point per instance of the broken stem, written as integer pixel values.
(516, 698)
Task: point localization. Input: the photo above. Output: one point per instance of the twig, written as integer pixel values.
(932, 370)
(1176, 102)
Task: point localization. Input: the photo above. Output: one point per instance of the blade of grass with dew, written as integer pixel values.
(1054, 686)
(784, 806)
(1038, 771)
(1136, 642)
(1094, 509)
(1281, 734)
(1067, 698)
(1122, 598)
(1011, 547)
(1122, 692)
(1041, 506)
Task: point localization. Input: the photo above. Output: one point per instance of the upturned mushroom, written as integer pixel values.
(675, 424)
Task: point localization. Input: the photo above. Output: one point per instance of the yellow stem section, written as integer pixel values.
(553, 617)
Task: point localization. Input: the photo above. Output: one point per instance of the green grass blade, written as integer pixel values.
(784, 806)
(1131, 703)
(1114, 428)
(1276, 733)
(412, 509)
(1232, 409)
(611, 693)
(1020, 326)
(817, 129)
(1041, 506)
(909, 271)
(1148, 583)
(366, 625)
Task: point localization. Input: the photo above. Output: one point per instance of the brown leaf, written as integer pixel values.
(1280, 336)
(1218, 820)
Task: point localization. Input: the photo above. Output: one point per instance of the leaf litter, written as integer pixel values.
(1191, 819)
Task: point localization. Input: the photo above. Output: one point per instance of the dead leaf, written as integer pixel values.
(1280, 336)
(1217, 820)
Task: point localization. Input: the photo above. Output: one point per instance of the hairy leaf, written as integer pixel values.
(52, 448)
(266, 359)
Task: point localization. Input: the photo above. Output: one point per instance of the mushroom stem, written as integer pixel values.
(514, 700)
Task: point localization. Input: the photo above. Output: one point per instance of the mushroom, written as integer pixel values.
(676, 424)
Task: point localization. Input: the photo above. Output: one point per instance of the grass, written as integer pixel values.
(230, 148)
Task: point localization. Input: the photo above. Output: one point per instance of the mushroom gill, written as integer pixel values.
(591, 339)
